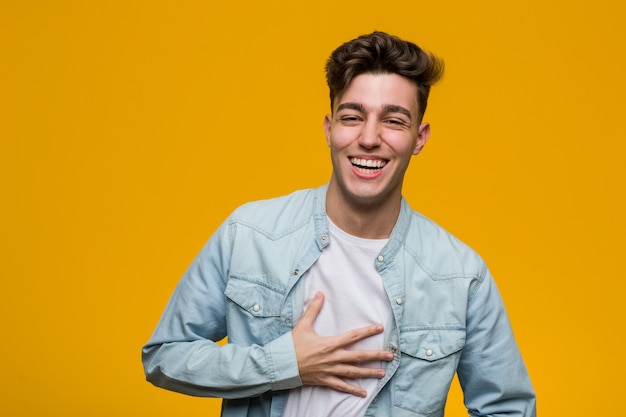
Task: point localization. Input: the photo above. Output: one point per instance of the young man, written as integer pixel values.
(342, 300)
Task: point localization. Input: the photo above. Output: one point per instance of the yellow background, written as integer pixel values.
(130, 129)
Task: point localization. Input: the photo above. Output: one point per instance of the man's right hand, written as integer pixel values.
(326, 361)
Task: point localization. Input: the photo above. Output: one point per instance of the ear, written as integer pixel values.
(423, 133)
(327, 124)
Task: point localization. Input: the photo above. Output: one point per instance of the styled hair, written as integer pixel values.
(381, 53)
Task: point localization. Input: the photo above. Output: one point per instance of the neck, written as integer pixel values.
(367, 220)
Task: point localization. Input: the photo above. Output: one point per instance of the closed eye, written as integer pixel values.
(350, 119)
(396, 122)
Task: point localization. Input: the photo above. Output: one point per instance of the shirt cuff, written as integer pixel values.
(281, 354)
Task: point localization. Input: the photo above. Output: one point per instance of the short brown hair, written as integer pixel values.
(381, 53)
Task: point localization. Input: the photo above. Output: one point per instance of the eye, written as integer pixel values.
(349, 119)
(396, 122)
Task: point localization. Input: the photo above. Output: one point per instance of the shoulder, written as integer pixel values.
(441, 254)
(279, 215)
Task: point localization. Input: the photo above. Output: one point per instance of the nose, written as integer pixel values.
(369, 136)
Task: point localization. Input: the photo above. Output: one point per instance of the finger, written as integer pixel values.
(352, 336)
(339, 384)
(356, 372)
(314, 308)
(357, 356)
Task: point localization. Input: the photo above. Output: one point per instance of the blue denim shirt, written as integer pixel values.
(447, 317)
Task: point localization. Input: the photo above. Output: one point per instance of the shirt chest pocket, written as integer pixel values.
(254, 309)
(427, 366)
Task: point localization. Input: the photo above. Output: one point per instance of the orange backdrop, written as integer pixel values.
(130, 129)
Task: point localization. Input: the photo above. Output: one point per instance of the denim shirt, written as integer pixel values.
(246, 284)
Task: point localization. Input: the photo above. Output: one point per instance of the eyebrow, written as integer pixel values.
(389, 108)
(351, 106)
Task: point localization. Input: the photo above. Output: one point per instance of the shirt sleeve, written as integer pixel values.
(491, 371)
(183, 354)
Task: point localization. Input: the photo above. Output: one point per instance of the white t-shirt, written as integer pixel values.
(354, 297)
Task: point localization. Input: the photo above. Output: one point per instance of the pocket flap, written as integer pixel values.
(254, 297)
(432, 344)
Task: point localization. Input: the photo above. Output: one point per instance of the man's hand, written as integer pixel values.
(326, 361)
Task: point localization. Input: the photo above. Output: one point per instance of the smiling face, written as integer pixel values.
(372, 134)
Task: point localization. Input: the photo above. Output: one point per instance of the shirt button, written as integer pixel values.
(381, 258)
(256, 307)
(296, 271)
(324, 238)
(399, 301)
(429, 352)
(287, 321)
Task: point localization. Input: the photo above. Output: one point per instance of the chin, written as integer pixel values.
(366, 199)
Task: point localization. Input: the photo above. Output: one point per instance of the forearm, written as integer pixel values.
(182, 354)
(491, 370)
(203, 368)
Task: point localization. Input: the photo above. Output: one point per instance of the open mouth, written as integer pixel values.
(368, 166)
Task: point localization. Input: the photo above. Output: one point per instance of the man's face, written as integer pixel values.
(373, 133)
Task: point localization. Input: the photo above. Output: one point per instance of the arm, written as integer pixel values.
(182, 355)
(491, 370)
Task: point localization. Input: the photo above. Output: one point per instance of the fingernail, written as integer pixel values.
(318, 295)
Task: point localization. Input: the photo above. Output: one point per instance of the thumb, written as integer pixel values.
(314, 308)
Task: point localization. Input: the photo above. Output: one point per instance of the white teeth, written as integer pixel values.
(368, 163)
